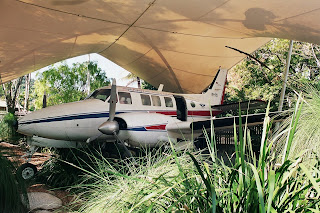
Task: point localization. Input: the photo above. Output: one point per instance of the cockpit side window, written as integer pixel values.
(125, 98)
(102, 94)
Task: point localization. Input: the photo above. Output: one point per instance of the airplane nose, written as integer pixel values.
(25, 129)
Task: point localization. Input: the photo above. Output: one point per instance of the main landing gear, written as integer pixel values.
(27, 170)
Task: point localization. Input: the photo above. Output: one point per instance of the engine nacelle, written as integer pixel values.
(46, 142)
(144, 129)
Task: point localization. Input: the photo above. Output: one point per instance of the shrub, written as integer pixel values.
(8, 127)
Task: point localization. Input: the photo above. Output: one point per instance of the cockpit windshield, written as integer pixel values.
(101, 94)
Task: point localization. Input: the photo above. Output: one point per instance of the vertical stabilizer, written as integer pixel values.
(215, 93)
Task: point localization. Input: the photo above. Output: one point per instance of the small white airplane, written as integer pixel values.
(137, 117)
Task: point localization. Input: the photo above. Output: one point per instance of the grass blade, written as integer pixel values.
(259, 188)
(271, 184)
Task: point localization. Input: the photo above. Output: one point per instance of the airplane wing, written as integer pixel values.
(245, 105)
(223, 123)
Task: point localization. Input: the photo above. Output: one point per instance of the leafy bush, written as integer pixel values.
(8, 128)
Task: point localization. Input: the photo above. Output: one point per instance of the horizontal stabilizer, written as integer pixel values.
(255, 104)
(224, 123)
(228, 122)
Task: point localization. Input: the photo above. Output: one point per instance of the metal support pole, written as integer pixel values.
(88, 78)
(284, 85)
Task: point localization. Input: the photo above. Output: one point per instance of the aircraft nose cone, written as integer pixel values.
(21, 128)
(25, 128)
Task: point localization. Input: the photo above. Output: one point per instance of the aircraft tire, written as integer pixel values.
(26, 171)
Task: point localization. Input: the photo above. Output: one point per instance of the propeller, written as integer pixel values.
(111, 126)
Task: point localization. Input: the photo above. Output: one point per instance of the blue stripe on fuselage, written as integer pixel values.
(139, 129)
(81, 116)
(78, 116)
(68, 117)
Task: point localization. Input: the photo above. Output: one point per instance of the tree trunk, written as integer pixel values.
(27, 93)
(11, 90)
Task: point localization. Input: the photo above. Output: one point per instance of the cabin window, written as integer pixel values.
(145, 99)
(155, 100)
(125, 98)
(168, 102)
(102, 94)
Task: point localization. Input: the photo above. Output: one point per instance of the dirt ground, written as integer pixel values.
(38, 159)
(16, 153)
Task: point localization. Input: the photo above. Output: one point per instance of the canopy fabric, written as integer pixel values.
(179, 43)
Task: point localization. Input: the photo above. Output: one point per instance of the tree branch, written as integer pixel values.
(247, 54)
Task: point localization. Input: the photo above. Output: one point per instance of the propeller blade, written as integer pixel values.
(93, 138)
(113, 100)
(128, 153)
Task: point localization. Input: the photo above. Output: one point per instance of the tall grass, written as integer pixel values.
(257, 184)
(307, 135)
(150, 185)
(193, 182)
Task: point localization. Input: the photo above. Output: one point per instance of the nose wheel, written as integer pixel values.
(26, 171)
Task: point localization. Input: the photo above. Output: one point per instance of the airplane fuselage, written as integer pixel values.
(77, 121)
(144, 117)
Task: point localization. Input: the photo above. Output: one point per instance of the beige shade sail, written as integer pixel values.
(179, 43)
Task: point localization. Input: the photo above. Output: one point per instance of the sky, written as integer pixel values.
(112, 70)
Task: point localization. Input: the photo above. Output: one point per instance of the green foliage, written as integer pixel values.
(146, 85)
(250, 80)
(8, 128)
(12, 189)
(1, 91)
(67, 84)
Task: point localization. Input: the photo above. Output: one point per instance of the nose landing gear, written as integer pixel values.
(27, 170)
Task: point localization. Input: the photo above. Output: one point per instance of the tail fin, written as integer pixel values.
(215, 92)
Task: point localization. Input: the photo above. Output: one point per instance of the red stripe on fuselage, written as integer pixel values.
(191, 113)
(157, 127)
